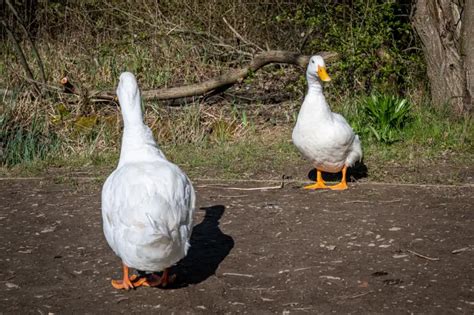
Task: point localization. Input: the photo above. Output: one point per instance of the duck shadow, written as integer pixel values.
(209, 247)
(355, 173)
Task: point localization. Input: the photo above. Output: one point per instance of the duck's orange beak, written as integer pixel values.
(323, 75)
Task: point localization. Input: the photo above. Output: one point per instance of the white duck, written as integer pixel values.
(324, 137)
(147, 202)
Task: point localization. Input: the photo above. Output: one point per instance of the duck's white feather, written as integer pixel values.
(324, 137)
(147, 202)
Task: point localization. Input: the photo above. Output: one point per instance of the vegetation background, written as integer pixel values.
(379, 84)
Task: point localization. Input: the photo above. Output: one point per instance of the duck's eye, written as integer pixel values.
(312, 61)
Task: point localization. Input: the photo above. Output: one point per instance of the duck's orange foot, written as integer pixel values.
(126, 283)
(340, 186)
(317, 185)
(155, 280)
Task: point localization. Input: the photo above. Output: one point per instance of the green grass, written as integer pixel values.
(23, 144)
(223, 142)
(248, 158)
(427, 141)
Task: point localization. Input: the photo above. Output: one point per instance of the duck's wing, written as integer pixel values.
(340, 119)
(351, 140)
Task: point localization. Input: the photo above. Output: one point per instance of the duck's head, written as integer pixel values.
(317, 68)
(127, 87)
(129, 98)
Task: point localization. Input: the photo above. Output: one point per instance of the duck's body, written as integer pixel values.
(147, 202)
(323, 137)
(147, 214)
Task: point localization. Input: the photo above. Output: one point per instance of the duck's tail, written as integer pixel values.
(356, 152)
(161, 232)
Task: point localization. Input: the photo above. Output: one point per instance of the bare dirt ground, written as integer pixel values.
(371, 249)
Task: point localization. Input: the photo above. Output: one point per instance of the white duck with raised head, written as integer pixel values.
(147, 202)
(323, 137)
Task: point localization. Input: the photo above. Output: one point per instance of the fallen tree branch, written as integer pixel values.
(220, 83)
(228, 79)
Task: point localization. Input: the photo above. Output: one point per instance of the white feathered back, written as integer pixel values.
(147, 202)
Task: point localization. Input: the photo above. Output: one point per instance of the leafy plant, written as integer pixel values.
(373, 39)
(386, 116)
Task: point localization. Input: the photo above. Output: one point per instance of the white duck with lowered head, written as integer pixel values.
(147, 202)
(324, 137)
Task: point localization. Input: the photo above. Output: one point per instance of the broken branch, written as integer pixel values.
(220, 83)
(228, 79)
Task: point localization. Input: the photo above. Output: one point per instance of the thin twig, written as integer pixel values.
(391, 201)
(282, 184)
(360, 294)
(243, 188)
(235, 196)
(460, 250)
(21, 56)
(5, 93)
(237, 274)
(309, 32)
(357, 201)
(240, 36)
(423, 256)
(33, 47)
(45, 85)
(230, 47)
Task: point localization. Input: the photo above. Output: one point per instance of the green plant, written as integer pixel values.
(385, 116)
(25, 143)
(240, 116)
(373, 38)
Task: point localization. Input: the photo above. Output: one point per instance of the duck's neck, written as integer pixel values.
(314, 86)
(138, 144)
(315, 104)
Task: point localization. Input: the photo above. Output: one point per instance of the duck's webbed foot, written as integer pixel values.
(127, 282)
(343, 184)
(320, 184)
(340, 186)
(316, 186)
(155, 280)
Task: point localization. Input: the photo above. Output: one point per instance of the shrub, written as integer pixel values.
(374, 39)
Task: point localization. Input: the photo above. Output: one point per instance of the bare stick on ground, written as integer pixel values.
(423, 256)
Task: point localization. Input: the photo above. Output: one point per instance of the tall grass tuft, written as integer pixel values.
(25, 142)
